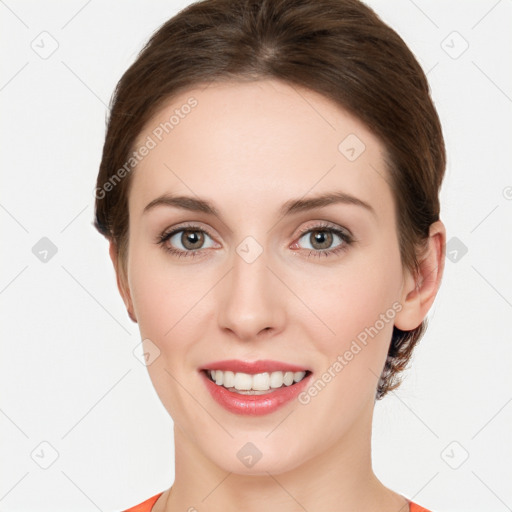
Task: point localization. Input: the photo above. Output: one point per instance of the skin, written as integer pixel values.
(248, 148)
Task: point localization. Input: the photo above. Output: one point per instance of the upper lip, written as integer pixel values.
(253, 367)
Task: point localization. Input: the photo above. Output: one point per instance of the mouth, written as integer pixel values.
(254, 388)
(255, 384)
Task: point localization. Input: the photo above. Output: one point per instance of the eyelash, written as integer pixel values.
(346, 238)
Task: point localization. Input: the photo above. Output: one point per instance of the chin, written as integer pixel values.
(258, 457)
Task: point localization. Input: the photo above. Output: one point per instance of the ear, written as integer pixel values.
(122, 282)
(419, 292)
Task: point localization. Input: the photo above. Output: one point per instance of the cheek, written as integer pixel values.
(166, 301)
(155, 302)
(358, 303)
(359, 306)
(163, 293)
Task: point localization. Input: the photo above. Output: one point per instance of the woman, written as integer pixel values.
(269, 188)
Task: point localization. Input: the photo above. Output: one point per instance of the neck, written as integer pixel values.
(340, 479)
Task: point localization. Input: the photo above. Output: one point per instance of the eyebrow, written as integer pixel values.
(290, 207)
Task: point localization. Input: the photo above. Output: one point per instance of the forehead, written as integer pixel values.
(257, 141)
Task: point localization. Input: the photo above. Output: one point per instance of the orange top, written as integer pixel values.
(147, 505)
(412, 508)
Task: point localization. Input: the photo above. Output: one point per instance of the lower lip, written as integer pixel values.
(254, 405)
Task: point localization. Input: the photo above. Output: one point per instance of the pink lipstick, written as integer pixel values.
(254, 387)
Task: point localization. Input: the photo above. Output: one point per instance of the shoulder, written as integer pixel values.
(145, 506)
(416, 508)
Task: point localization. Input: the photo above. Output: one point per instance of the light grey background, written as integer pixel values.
(69, 377)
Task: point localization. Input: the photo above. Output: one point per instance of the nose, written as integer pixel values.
(249, 303)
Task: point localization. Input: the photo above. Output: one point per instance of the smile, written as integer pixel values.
(257, 384)
(254, 388)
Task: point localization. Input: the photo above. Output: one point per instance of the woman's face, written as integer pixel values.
(268, 273)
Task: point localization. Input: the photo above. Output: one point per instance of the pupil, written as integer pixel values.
(322, 238)
(191, 238)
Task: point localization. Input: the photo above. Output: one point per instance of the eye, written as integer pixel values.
(324, 240)
(320, 240)
(185, 240)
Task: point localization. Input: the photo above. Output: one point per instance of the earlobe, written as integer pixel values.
(419, 292)
(122, 283)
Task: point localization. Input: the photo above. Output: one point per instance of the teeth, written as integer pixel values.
(288, 378)
(243, 381)
(276, 379)
(261, 382)
(248, 383)
(298, 376)
(229, 379)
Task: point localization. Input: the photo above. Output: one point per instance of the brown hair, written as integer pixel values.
(339, 48)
